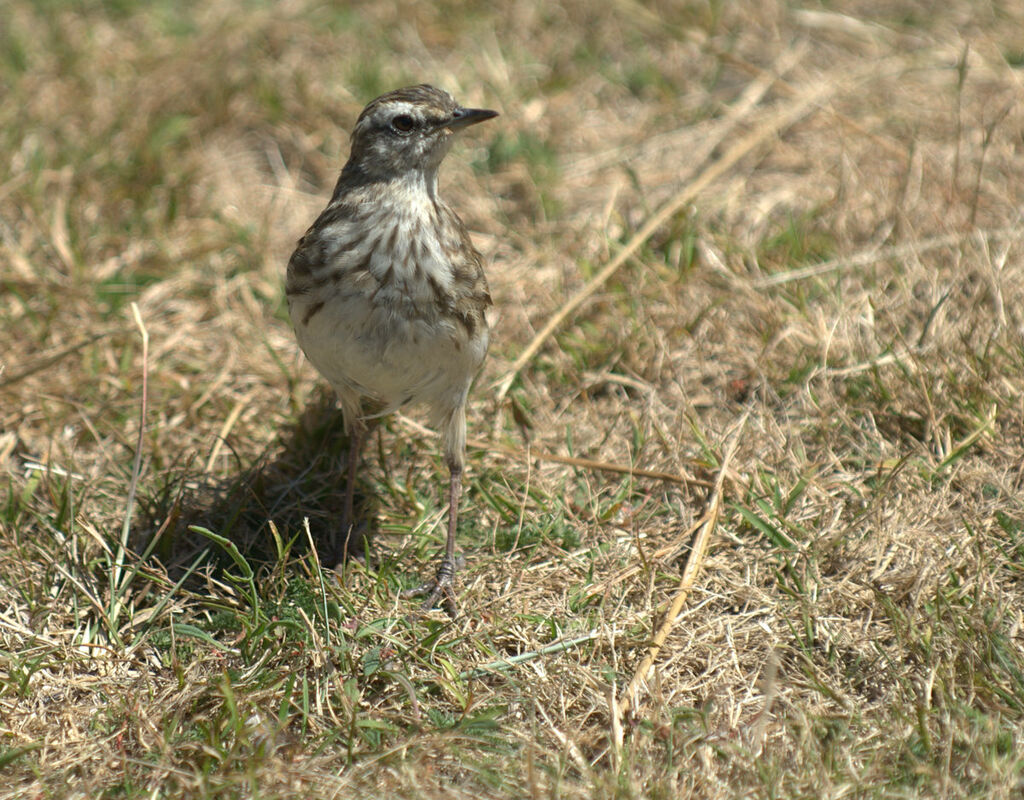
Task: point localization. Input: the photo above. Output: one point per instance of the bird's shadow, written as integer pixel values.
(300, 477)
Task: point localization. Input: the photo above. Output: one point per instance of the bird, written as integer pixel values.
(387, 294)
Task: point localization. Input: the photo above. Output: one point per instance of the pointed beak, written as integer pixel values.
(464, 117)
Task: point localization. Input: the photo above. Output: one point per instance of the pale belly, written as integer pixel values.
(369, 350)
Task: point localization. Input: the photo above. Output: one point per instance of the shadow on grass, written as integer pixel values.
(305, 479)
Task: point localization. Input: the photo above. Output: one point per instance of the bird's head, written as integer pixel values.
(409, 130)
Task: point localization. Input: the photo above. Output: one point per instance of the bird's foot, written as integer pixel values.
(443, 585)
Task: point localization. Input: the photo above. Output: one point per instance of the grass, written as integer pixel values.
(833, 256)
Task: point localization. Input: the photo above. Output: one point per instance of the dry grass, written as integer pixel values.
(840, 264)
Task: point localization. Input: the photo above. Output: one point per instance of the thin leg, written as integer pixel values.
(355, 446)
(454, 436)
(444, 580)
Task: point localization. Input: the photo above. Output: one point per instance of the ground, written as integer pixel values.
(743, 512)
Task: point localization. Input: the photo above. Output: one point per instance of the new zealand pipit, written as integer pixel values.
(386, 291)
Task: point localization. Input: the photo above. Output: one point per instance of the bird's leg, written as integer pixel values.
(357, 435)
(355, 446)
(444, 580)
(454, 434)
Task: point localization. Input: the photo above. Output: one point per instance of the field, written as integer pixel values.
(744, 512)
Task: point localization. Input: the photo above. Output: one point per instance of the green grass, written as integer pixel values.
(174, 627)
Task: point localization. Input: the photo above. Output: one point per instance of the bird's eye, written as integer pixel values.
(403, 123)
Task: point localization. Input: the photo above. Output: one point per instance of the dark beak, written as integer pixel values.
(464, 117)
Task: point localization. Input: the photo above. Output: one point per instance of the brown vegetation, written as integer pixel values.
(813, 222)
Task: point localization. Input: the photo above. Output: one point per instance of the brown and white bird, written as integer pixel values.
(387, 293)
